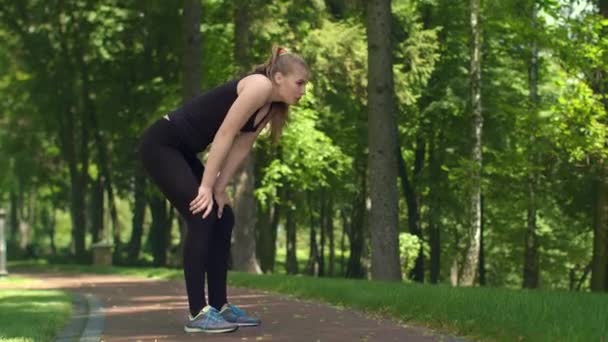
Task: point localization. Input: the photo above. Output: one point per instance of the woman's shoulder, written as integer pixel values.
(256, 80)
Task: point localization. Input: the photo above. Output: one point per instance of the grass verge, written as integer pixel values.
(31, 315)
(481, 313)
(145, 272)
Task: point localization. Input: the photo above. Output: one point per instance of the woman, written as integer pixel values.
(228, 118)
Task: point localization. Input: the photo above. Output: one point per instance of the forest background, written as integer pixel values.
(458, 142)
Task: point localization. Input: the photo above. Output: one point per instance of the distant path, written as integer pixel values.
(136, 309)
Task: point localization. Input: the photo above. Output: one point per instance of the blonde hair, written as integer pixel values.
(281, 61)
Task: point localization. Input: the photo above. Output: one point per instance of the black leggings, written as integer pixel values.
(178, 173)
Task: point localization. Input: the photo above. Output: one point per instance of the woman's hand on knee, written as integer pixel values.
(222, 199)
(203, 202)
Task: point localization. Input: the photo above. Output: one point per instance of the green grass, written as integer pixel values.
(145, 272)
(15, 281)
(29, 315)
(487, 314)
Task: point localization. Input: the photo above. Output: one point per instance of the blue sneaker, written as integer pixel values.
(209, 320)
(236, 315)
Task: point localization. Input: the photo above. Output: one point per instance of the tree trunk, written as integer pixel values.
(139, 210)
(322, 232)
(160, 229)
(68, 123)
(266, 233)
(434, 210)
(244, 246)
(531, 245)
(274, 227)
(27, 223)
(312, 268)
(291, 262)
(89, 123)
(434, 165)
(345, 230)
(384, 218)
(97, 209)
(23, 226)
(78, 179)
(312, 265)
(482, 254)
(14, 218)
(330, 234)
(264, 238)
(191, 59)
(467, 277)
(413, 207)
(48, 224)
(243, 251)
(107, 178)
(599, 262)
(90, 116)
(191, 75)
(454, 274)
(356, 234)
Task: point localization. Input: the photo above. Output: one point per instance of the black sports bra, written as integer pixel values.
(250, 125)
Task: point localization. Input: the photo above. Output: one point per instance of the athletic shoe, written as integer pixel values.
(209, 320)
(234, 314)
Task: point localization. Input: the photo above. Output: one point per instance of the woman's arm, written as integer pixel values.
(239, 151)
(254, 94)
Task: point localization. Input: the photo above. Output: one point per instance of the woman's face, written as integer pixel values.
(292, 86)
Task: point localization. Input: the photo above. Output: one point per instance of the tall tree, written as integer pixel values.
(291, 259)
(469, 271)
(78, 163)
(191, 61)
(90, 115)
(139, 210)
(412, 198)
(382, 140)
(599, 263)
(191, 58)
(434, 210)
(531, 266)
(244, 245)
(160, 229)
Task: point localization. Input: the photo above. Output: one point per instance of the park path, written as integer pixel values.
(136, 309)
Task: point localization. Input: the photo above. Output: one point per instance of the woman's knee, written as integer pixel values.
(197, 222)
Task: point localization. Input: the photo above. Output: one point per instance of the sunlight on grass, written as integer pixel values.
(14, 281)
(145, 272)
(33, 315)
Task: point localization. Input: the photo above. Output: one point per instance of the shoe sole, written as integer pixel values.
(214, 331)
(247, 324)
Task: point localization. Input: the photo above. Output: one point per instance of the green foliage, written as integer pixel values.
(415, 57)
(409, 247)
(309, 159)
(579, 120)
